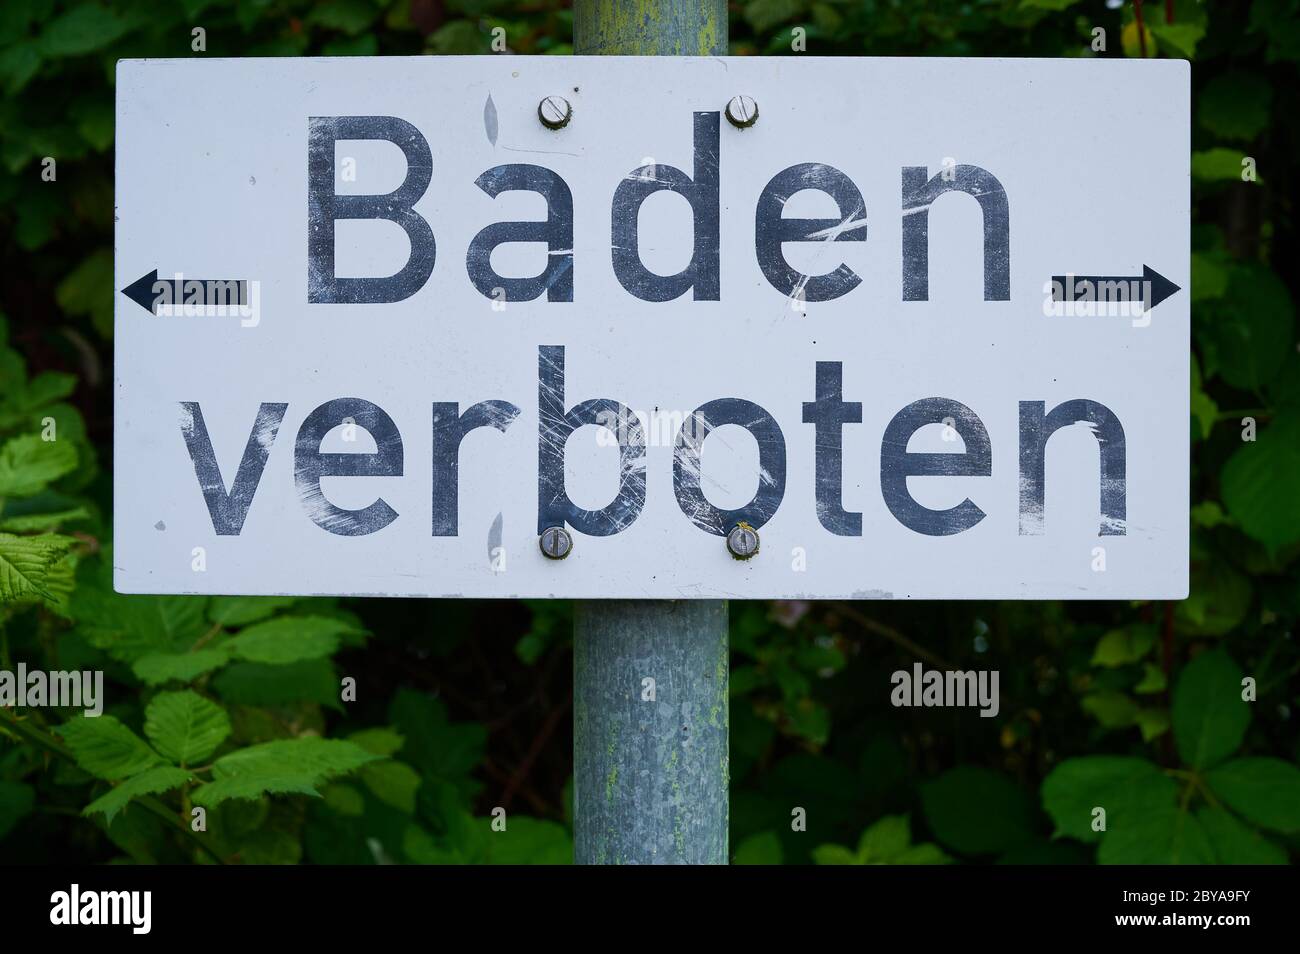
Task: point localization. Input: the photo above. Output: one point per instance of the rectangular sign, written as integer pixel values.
(914, 328)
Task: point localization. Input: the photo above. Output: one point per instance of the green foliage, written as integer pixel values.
(887, 842)
(1265, 791)
(285, 765)
(236, 704)
(976, 811)
(106, 748)
(184, 727)
(160, 778)
(29, 567)
(288, 639)
(16, 801)
(1142, 814)
(1209, 715)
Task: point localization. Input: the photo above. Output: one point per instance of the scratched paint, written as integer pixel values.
(856, 283)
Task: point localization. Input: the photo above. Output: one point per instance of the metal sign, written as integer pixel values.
(653, 328)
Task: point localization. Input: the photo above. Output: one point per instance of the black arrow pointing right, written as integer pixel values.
(1150, 288)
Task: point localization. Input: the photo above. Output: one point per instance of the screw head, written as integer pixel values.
(554, 112)
(742, 541)
(742, 112)
(556, 543)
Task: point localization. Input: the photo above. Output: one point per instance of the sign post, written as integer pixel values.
(650, 677)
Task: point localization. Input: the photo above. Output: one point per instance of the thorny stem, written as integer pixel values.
(216, 628)
(894, 636)
(49, 743)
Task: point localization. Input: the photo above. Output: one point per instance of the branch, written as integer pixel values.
(49, 743)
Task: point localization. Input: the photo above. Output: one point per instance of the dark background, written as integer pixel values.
(1132, 707)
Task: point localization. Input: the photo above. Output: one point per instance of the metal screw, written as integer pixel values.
(742, 112)
(554, 112)
(742, 541)
(556, 543)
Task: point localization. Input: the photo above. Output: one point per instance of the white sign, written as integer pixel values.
(920, 330)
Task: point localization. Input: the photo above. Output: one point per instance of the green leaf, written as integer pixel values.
(155, 669)
(529, 841)
(235, 611)
(255, 684)
(1209, 514)
(88, 289)
(1127, 789)
(393, 783)
(977, 811)
(130, 627)
(1259, 482)
(888, 841)
(149, 782)
(923, 854)
(349, 16)
(59, 584)
(761, 849)
(1119, 647)
(33, 522)
(885, 839)
(1153, 723)
(438, 748)
(45, 388)
(1179, 38)
(383, 742)
(29, 567)
(283, 766)
(18, 65)
(834, 855)
(763, 15)
(1275, 21)
(250, 787)
(344, 799)
(1218, 165)
(83, 29)
(1235, 105)
(289, 639)
(1265, 791)
(16, 802)
(1209, 276)
(1209, 716)
(1164, 837)
(1111, 708)
(1132, 44)
(1235, 843)
(29, 464)
(94, 121)
(106, 748)
(1251, 330)
(1153, 680)
(460, 839)
(184, 726)
(1219, 599)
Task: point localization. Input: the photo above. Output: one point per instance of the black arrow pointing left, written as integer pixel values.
(151, 294)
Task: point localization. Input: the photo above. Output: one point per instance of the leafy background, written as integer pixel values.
(233, 704)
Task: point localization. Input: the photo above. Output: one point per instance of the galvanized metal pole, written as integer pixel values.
(650, 714)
